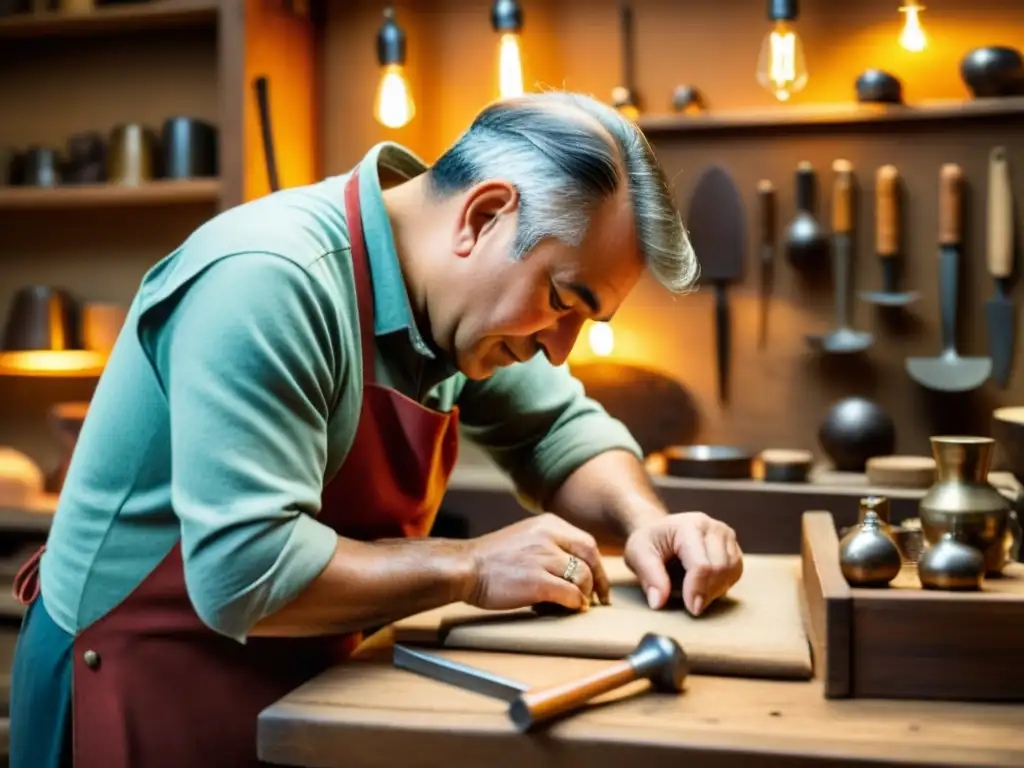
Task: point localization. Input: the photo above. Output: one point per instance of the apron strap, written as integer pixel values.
(26, 580)
(361, 271)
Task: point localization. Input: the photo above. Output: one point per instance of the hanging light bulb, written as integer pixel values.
(781, 67)
(507, 21)
(602, 339)
(912, 38)
(393, 106)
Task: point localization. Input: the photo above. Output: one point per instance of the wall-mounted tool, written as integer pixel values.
(262, 88)
(718, 232)
(887, 240)
(767, 216)
(949, 372)
(624, 96)
(999, 309)
(807, 246)
(657, 658)
(844, 339)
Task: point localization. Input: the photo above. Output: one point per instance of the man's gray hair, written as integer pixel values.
(563, 169)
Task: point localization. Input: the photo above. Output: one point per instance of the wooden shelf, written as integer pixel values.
(158, 14)
(832, 114)
(109, 195)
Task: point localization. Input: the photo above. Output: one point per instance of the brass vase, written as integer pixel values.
(963, 500)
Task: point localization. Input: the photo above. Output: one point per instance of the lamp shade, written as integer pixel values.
(41, 337)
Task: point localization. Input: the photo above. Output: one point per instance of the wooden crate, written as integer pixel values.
(904, 642)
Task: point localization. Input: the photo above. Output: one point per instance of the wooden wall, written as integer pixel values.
(780, 395)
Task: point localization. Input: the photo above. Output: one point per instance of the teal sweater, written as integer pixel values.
(233, 394)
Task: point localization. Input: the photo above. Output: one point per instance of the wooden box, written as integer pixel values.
(905, 642)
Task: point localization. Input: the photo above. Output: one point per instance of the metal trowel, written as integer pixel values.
(887, 241)
(844, 339)
(949, 372)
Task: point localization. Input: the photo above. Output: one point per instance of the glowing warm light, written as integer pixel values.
(601, 339)
(510, 66)
(912, 38)
(65, 362)
(394, 106)
(781, 67)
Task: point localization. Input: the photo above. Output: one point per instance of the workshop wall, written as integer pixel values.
(779, 395)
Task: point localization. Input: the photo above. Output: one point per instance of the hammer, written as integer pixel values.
(657, 658)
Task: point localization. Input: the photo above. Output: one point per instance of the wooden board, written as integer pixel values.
(366, 714)
(907, 642)
(756, 630)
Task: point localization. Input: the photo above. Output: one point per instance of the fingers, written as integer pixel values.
(713, 562)
(649, 566)
(584, 546)
(555, 589)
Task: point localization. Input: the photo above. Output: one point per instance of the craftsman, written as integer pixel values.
(271, 439)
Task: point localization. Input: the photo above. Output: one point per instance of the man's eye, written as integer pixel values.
(556, 301)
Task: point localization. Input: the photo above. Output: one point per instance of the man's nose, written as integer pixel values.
(558, 340)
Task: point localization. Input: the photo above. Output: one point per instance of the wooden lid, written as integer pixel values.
(786, 456)
(901, 471)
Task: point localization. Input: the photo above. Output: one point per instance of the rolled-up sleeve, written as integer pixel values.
(537, 424)
(247, 358)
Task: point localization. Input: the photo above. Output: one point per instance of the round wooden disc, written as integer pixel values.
(901, 471)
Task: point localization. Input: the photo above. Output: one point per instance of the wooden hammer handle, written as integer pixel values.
(1000, 215)
(887, 225)
(539, 704)
(950, 201)
(842, 197)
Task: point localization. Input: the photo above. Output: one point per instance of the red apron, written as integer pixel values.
(155, 687)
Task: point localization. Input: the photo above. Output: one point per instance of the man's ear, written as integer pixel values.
(481, 208)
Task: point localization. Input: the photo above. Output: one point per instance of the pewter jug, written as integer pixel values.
(963, 499)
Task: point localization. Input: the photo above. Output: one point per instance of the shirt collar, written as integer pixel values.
(392, 309)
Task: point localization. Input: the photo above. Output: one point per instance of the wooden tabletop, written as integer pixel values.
(367, 714)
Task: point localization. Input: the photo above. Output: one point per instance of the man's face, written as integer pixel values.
(499, 311)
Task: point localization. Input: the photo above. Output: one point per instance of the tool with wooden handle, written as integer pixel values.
(767, 215)
(887, 241)
(657, 658)
(949, 372)
(999, 309)
(842, 340)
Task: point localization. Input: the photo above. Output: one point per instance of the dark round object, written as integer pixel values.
(875, 86)
(709, 462)
(656, 409)
(854, 430)
(687, 97)
(993, 71)
(506, 16)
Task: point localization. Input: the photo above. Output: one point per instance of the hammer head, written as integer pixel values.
(662, 661)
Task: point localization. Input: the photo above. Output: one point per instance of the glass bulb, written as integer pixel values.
(602, 339)
(912, 38)
(781, 67)
(394, 106)
(510, 66)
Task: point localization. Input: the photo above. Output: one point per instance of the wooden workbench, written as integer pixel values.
(367, 714)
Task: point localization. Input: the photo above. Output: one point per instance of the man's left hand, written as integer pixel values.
(707, 549)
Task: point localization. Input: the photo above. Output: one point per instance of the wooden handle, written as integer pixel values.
(950, 215)
(842, 197)
(1000, 215)
(887, 226)
(539, 704)
(766, 196)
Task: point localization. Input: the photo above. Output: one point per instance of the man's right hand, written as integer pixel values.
(524, 563)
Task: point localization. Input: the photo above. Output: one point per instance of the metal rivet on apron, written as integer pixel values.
(92, 659)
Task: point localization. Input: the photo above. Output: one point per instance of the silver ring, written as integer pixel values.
(570, 569)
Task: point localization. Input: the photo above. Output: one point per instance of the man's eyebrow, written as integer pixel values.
(589, 298)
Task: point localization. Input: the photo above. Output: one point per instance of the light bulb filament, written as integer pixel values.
(510, 67)
(912, 38)
(394, 104)
(781, 67)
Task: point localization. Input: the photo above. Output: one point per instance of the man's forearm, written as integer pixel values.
(371, 584)
(609, 496)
